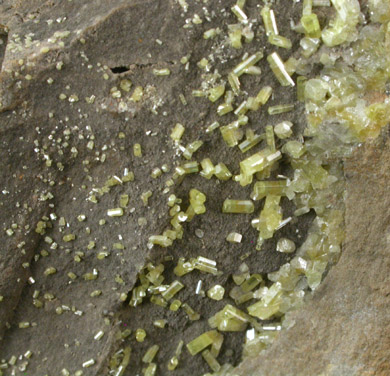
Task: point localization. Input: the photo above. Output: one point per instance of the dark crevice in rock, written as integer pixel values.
(3, 43)
(119, 70)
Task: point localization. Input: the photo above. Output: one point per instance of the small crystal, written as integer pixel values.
(285, 245)
(238, 206)
(216, 292)
(234, 237)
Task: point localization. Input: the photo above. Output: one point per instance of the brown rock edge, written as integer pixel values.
(345, 329)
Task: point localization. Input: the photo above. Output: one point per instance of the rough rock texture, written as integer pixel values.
(120, 41)
(345, 328)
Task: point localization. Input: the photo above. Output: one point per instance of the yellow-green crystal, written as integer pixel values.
(238, 206)
(150, 354)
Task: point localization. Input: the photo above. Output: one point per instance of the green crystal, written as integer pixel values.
(283, 130)
(262, 189)
(277, 66)
(200, 343)
(150, 354)
(216, 92)
(172, 290)
(248, 62)
(211, 361)
(311, 25)
(238, 206)
(216, 292)
(279, 41)
(222, 172)
(280, 109)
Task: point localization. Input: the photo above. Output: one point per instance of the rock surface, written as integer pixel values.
(345, 328)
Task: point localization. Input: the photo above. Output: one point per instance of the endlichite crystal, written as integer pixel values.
(277, 66)
(270, 218)
(248, 62)
(222, 172)
(150, 354)
(117, 212)
(280, 109)
(211, 361)
(256, 163)
(172, 290)
(342, 28)
(283, 130)
(140, 335)
(269, 303)
(280, 41)
(234, 237)
(151, 369)
(285, 245)
(238, 206)
(137, 150)
(269, 21)
(311, 25)
(216, 92)
(174, 361)
(200, 343)
(229, 319)
(262, 189)
(177, 132)
(216, 292)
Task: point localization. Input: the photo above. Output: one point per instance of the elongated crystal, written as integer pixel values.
(269, 21)
(192, 315)
(200, 343)
(239, 13)
(257, 162)
(262, 189)
(117, 212)
(280, 109)
(253, 281)
(270, 137)
(248, 144)
(280, 41)
(224, 108)
(277, 66)
(234, 83)
(160, 240)
(211, 361)
(172, 290)
(229, 319)
(239, 69)
(205, 265)
(212, 127)
(151, 369)
(264, 95)
(150, 354)
(238, 206)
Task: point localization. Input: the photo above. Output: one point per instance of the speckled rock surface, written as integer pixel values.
(345, 328)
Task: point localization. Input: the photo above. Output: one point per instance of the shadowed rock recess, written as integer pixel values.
(82, 82)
